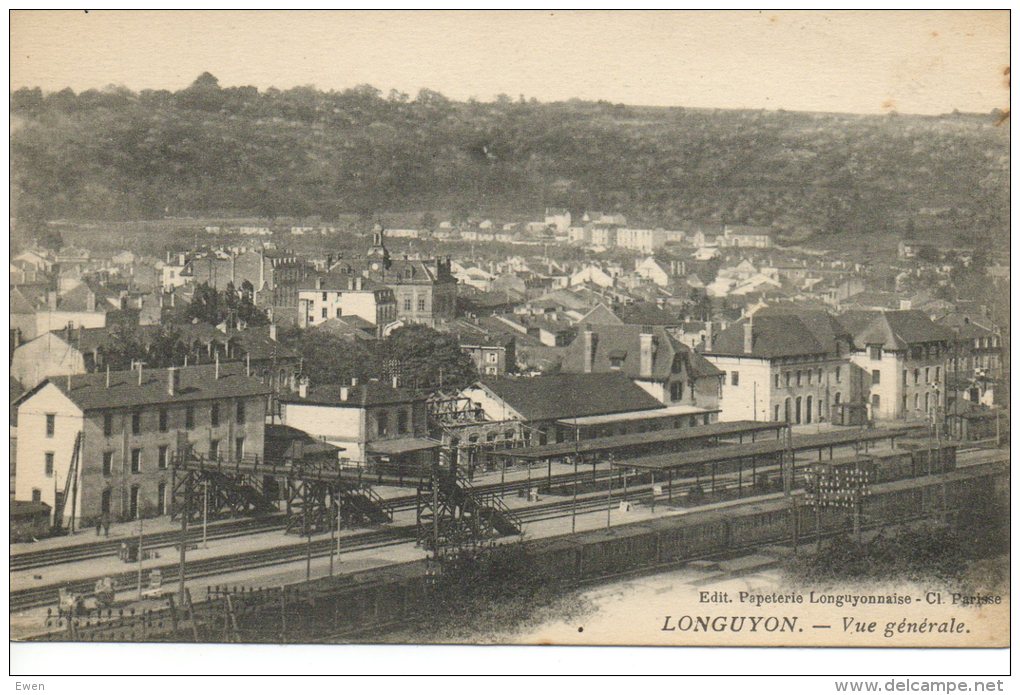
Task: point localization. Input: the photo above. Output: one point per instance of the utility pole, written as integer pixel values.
(205, 513)
(185, 513)
(308, 546)
(573, 505)
(140, 550)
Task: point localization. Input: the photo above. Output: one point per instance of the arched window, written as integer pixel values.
(807, 409)
(797, 413)
(786, 411)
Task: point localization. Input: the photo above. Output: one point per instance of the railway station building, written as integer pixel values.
(103, 443)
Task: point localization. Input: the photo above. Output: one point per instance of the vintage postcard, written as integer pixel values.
(657, 328)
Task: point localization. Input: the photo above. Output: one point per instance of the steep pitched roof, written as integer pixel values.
(601, 315)
(359, 396)
(897, 330)
(20, 304)
(198, 383)
(560, 396)
(648, 314)
(783, 334)
(622, 344)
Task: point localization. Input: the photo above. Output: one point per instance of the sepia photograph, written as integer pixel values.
(587, 328)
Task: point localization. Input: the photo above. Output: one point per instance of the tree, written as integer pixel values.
(205, 305)
(425, 358)
(328, 358)
(123, 347)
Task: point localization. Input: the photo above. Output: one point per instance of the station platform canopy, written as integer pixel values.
(638, 439)
(668, 411)
(402, 446)
(809, 442)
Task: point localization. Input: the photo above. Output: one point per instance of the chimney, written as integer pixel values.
(647, 351)
(67, 332)
(272, 332)
(354, 381)
(396, 381)
(589, 348)
(247, 364)
(217, 372)
(709, 337)
(140, 370)
(345, 392)
(350, 283)
(173, 380)
(303, 387)
(358, 283)
(318, 283)
(107, 376)
(749, 336)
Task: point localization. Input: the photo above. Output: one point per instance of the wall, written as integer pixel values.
(750, 398)
(342, 426)
(47, 355)
(30, 468)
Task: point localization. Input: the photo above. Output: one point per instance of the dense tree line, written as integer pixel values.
(421, 357)
(207, 149)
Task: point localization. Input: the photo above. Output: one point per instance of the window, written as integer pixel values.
(927, 402)
(239, 448)
(136, 423)
(161, 498)
(36, 494)
(819, 375)
(214, 449)
(240, 412)
(799, 375)
(676, 390)
(51, 424)
(927, 375)
(839, 374)
(835, 399)
(401, 422)
(938, 374)
(107, 463)
(777, 380)
(734, 378)
(189, 417)
(339, 311)
(382, 423)
(904, 377)
(917, 402)
(164, 418)
(324, 310)
(421, 304)
(787, 378)
(876, 352)
(214, 414)
(876, 376)
(809, 375)
(323, 296)
(136, 460)
(407, 303)
(49, 464)
(492, 358)
(164, 455)
(876, 402)
(133, 508)
(917, 376)
(775, 416)
(107, 424)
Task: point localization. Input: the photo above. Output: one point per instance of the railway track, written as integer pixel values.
(237, 562)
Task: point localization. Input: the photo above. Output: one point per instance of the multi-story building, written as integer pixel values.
(904, 357)
(372, 422)
(654, 360)
(339, 295)
(643, 240)
(425, 289)
(127, 426)
(744, 236)
(783, 367)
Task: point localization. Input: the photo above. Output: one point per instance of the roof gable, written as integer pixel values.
(562, 396)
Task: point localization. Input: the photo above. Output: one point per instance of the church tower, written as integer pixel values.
(379, 257)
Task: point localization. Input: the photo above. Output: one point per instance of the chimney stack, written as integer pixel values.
(345, 392)
(396, 381)
(709, 337)
(272, 332)
(140, 373)
(107, 376)
(173, 381)
(647, 351)
(217, 372)
(589, 348)
(303, 387)
(247, 364)
(749, 336)
(354, 381)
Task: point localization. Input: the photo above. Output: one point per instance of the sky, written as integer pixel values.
(859, 62)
